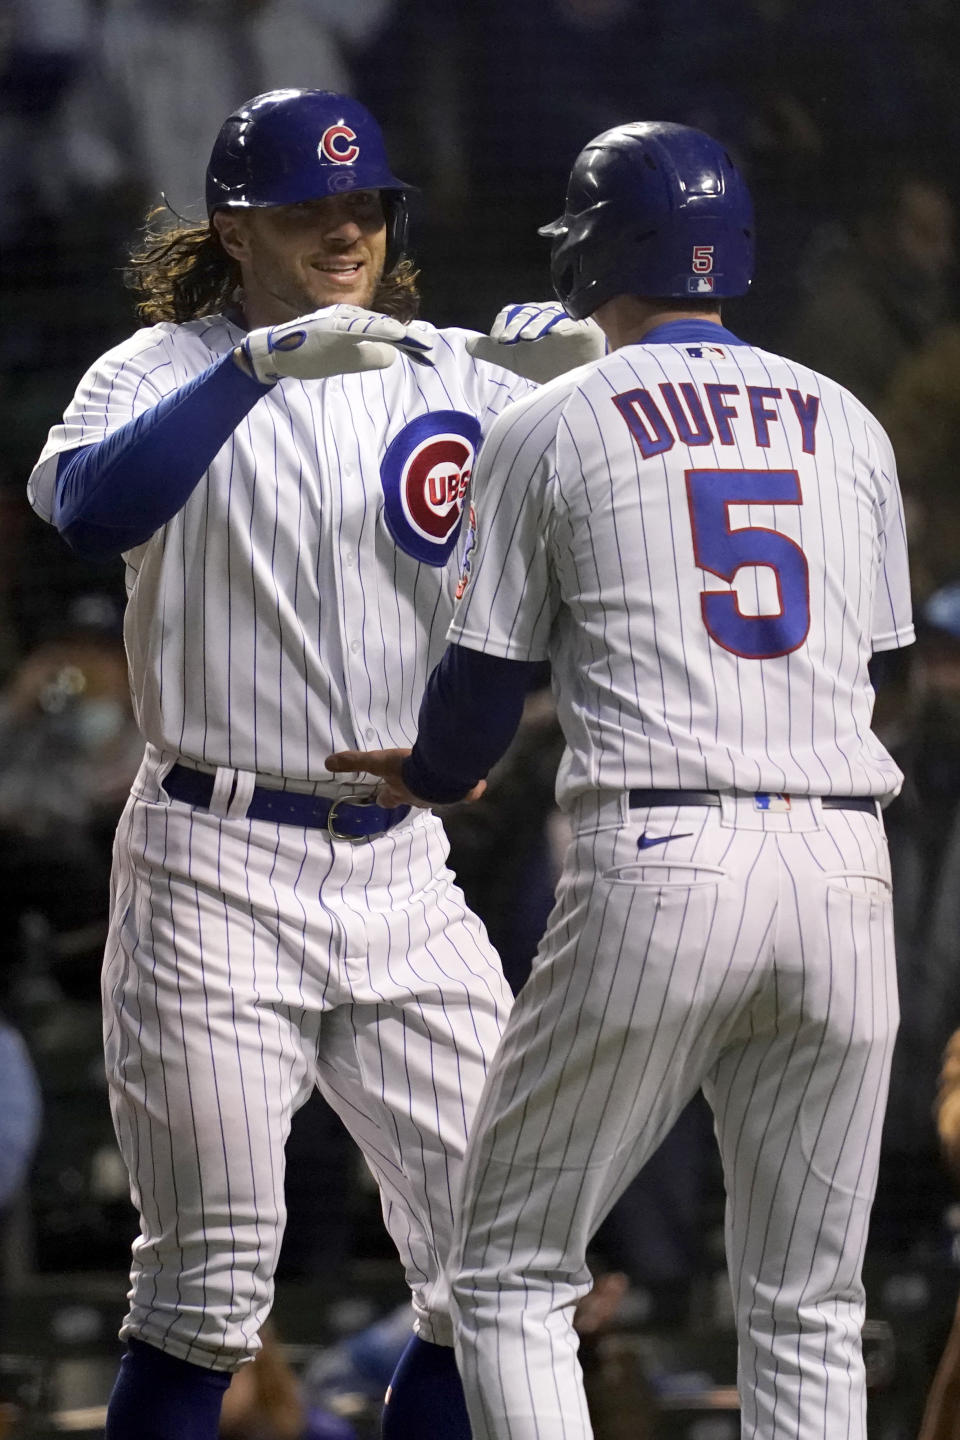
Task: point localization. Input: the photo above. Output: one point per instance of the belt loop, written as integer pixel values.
(242, 795)
(222, 790)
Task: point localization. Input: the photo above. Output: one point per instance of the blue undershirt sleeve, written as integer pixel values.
(469, 714)
(115, 494)
(888, 668)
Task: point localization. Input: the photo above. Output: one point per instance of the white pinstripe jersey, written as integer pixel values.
(707, 541)
(298, 601)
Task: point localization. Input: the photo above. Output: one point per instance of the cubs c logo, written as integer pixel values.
(338, 144)
(425, 474)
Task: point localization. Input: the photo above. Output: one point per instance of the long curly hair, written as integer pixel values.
(183, 273)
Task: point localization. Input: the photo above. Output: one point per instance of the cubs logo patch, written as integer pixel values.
(338, 144)
(425, 475)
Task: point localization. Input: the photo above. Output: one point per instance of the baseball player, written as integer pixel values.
(707, 542)
(281, 458)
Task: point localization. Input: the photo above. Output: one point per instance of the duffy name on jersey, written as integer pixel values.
(713, 412)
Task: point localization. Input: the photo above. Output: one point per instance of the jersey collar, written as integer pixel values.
(679, 332)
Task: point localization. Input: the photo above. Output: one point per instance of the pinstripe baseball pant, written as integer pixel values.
(755, 960)
(247, 962)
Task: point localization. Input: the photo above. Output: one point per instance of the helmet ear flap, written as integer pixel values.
(397, 214)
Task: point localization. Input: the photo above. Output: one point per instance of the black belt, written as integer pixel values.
(347, 819)
(652, 798)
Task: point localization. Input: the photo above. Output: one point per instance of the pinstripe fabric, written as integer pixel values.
(586, 552)
(757, 961)
(283, 613)
(357, 968)
(275, 619)
(707, 542)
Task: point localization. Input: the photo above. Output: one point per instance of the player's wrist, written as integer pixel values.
(242, 360)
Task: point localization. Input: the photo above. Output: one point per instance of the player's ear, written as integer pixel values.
(231, 226)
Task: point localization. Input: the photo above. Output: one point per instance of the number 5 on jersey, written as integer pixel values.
(723, 551)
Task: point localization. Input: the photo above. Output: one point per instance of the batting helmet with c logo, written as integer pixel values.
(290, 145)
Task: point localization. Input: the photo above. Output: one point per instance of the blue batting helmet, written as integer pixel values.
(290, 145)
(653, 209)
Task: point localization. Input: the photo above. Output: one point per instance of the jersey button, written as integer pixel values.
(354, 646)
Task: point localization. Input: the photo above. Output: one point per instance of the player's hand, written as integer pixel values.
(539, 341)
(387, 766)
(338, 340)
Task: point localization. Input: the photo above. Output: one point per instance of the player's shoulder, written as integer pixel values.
(457, 344)
(443, 339)
(540, 412)
(835, 399)
(456, 341)
(447, 342)
(753, 365)
(150, 345)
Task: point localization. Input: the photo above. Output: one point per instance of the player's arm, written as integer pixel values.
(474, 697)
(501, 628)
(115, 494)
(888, 669)
(481, 697)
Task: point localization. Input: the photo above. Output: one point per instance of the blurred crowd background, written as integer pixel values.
(844, 118)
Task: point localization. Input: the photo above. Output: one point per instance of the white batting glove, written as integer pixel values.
(338, 340)
(539, 341)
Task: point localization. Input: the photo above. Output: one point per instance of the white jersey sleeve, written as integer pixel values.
(892, 611)
(126, 381)
(508, 588)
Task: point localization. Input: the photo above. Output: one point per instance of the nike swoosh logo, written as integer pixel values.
(646, 841)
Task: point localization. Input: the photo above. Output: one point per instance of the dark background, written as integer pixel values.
(845, 121)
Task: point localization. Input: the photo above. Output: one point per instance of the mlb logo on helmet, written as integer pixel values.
(338, 144)
(700, 284)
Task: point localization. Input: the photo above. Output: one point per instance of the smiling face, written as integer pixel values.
(298, 258)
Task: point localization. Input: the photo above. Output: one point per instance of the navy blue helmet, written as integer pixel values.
(653, 209)
(290, 145)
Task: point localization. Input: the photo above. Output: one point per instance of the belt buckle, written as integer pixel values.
(359, 799)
